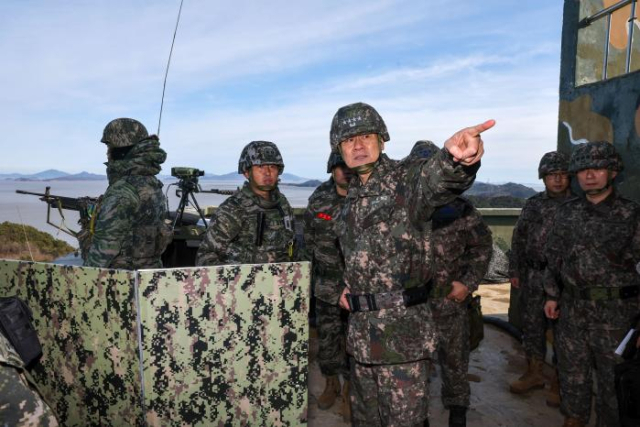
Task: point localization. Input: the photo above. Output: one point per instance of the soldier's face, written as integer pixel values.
(361, 150)
(556, 183)
(592, 181)
(262, 177)
(342, 175)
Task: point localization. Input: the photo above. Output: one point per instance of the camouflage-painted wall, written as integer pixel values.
(596, 109)
(220, 345)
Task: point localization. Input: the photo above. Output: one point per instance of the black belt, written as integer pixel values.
(374, 302)
(536, 265)
(602, 293)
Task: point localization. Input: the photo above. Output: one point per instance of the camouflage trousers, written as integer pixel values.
(583, 344)
(331, 322)
(534, 321)
(452, 324)
(19, 404)
(389, 395)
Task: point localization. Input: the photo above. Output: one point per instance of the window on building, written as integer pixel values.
(608, 40)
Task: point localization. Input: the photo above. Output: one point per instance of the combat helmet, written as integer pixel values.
(353, 120)
(423, 149)
(120, 133)
(258, 153)
(595, 155)
(335, 159)
(553, 161)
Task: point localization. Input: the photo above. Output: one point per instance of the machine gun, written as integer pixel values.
(85, 206)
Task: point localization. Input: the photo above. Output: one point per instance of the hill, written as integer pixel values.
(494, 190)
(43, 246)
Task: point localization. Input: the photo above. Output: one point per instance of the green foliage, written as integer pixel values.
(44, 246)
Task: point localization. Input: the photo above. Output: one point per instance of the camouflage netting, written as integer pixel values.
(220, 346)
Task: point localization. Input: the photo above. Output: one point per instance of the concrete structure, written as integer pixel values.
(600, 83)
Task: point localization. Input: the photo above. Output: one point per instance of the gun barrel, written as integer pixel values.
(31, 193)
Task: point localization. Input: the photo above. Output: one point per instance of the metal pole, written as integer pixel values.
(606, 49)
(632, 18)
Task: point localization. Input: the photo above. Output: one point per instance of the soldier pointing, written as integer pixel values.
(383, 243)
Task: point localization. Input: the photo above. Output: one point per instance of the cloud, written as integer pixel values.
(278, 71)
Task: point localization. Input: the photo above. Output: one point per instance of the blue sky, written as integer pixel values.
(276, 70)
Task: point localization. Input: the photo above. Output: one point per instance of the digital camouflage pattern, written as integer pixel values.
(335, 159)
(219, 346)
(390, 395)
(233, 230)
(236, 352)
(322, 247)
(592, 247)
(258, 153)
(20, 401)
(385, 249)
(423, 149)
(86, 321)
(353, 120)
(130, 229)
(527, 262)
(123, 133)
(553, 161)
(462, 250)
(321, 242)
(595, 155)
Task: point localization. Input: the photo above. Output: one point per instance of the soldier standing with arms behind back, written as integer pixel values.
(328, 266)
(526, 269)
(385, 270)
(255, 225)
(130, 231)
(462, 249)
(592, 284)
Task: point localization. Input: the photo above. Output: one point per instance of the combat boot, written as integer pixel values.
(331, 391)
(553, 395)
(531, 379)
(572, 422)
(345, 410)
(457, 416)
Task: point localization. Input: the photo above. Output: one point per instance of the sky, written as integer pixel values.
(277, 71)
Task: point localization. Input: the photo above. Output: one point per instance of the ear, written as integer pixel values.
(614, 174)
(246, 173)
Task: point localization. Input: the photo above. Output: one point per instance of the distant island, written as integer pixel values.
(481, 194)
(56, 175)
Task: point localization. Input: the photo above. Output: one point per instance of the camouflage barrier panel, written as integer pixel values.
(220, 345)
(226, 345)
(86, 322)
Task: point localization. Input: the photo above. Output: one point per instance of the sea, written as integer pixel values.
(29, 210)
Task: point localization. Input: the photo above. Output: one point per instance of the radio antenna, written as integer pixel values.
(166, 73)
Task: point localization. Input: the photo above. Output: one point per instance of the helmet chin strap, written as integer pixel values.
(266, 187)
(364, 169)
(598, 191)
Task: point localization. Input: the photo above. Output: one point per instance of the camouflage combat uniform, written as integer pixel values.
(130, 229)
(385, 251)
(328, 266)
(20, 402)
(462, 249)
(232, 236)
(592, 251)
(528, 262)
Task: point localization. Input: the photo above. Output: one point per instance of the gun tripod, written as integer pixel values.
(186, 189)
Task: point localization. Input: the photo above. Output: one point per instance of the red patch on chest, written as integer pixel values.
(324, 216)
